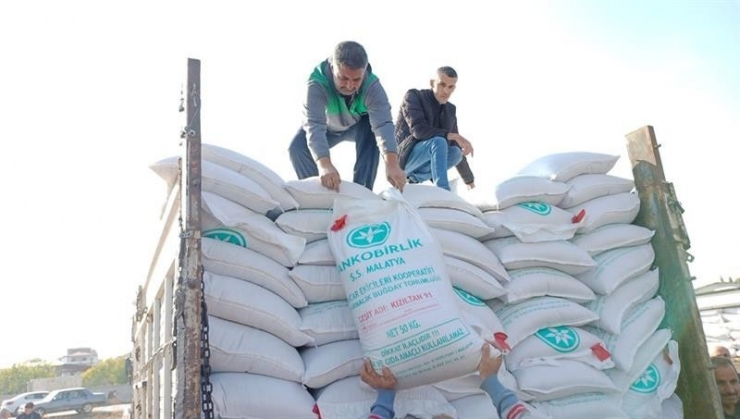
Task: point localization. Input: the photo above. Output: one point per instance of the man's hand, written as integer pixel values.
(465, 145)
(386, 381)
(488, 366)
(329, 174)
(396, 177)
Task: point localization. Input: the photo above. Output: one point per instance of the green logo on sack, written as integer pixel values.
(648, 382)
(539, 208)
(226, 235)
(369, 235)
(468, 298)
(562, 339)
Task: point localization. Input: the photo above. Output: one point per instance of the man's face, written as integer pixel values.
(347, 80)
(443, 87)
(728, 385)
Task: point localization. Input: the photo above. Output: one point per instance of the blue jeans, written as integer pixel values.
(431, 159)
(367, 153)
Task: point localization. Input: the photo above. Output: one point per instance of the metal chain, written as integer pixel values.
(205, 354)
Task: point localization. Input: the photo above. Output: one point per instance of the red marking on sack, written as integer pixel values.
(578, 217)
(516, 411)
(600, 352)
(500, 341)
(339, 223)
(316, 410)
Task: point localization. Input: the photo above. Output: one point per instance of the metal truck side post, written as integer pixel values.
(660, 211)
(189, 294)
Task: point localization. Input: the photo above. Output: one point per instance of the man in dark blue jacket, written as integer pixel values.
(429, 143)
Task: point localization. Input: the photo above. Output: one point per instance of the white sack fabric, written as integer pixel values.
(397, 287)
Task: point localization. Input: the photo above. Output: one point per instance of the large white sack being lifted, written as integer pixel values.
(405, 309)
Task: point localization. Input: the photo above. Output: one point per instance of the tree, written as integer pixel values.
(15, 379)
(107, 372)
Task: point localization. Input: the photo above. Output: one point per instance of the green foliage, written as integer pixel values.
(107, 372)
(14, 380)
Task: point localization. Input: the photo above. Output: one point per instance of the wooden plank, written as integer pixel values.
(188, 401)
(660, 212)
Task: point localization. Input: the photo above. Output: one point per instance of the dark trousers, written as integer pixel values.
(367, 154)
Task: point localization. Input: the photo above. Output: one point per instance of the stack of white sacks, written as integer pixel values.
(581, 312)
(546, 264)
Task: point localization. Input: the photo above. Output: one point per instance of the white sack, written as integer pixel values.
(646, 395)
(237, 262)
(563, 167)
(430, 196)
(473, 279)
(611, 236)
(318, 283)
(331, 362)
(566, 378)
(470, 250)
(398, 290)
(584, 406)
(317, 253)
(496, 220)
(238, 348)
(328, 322)
(611, 209)
(251, 305)
(311, 194)
(586, 187)
(348, 398)
(533, 222)
(615, 267)
(243, 395)
(311, 224)
(524, 319)
(256, 171)
(223, 219)
(553, 344)
(560, 255)
(637, 326)
(457, 221)
(613, 307)
(539, 282)
(477, 406)
(515, 190)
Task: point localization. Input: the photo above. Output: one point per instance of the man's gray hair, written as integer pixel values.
(350, 54)
(448, 71)
(722, 361)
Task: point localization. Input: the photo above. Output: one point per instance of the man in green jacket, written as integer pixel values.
(346, 102)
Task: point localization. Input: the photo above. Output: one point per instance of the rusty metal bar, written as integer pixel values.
(660, 212)
(188, 399)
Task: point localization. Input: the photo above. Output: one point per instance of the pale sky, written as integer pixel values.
(90, 91)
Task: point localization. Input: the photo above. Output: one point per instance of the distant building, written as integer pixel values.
(76, 361)
(719, 306)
